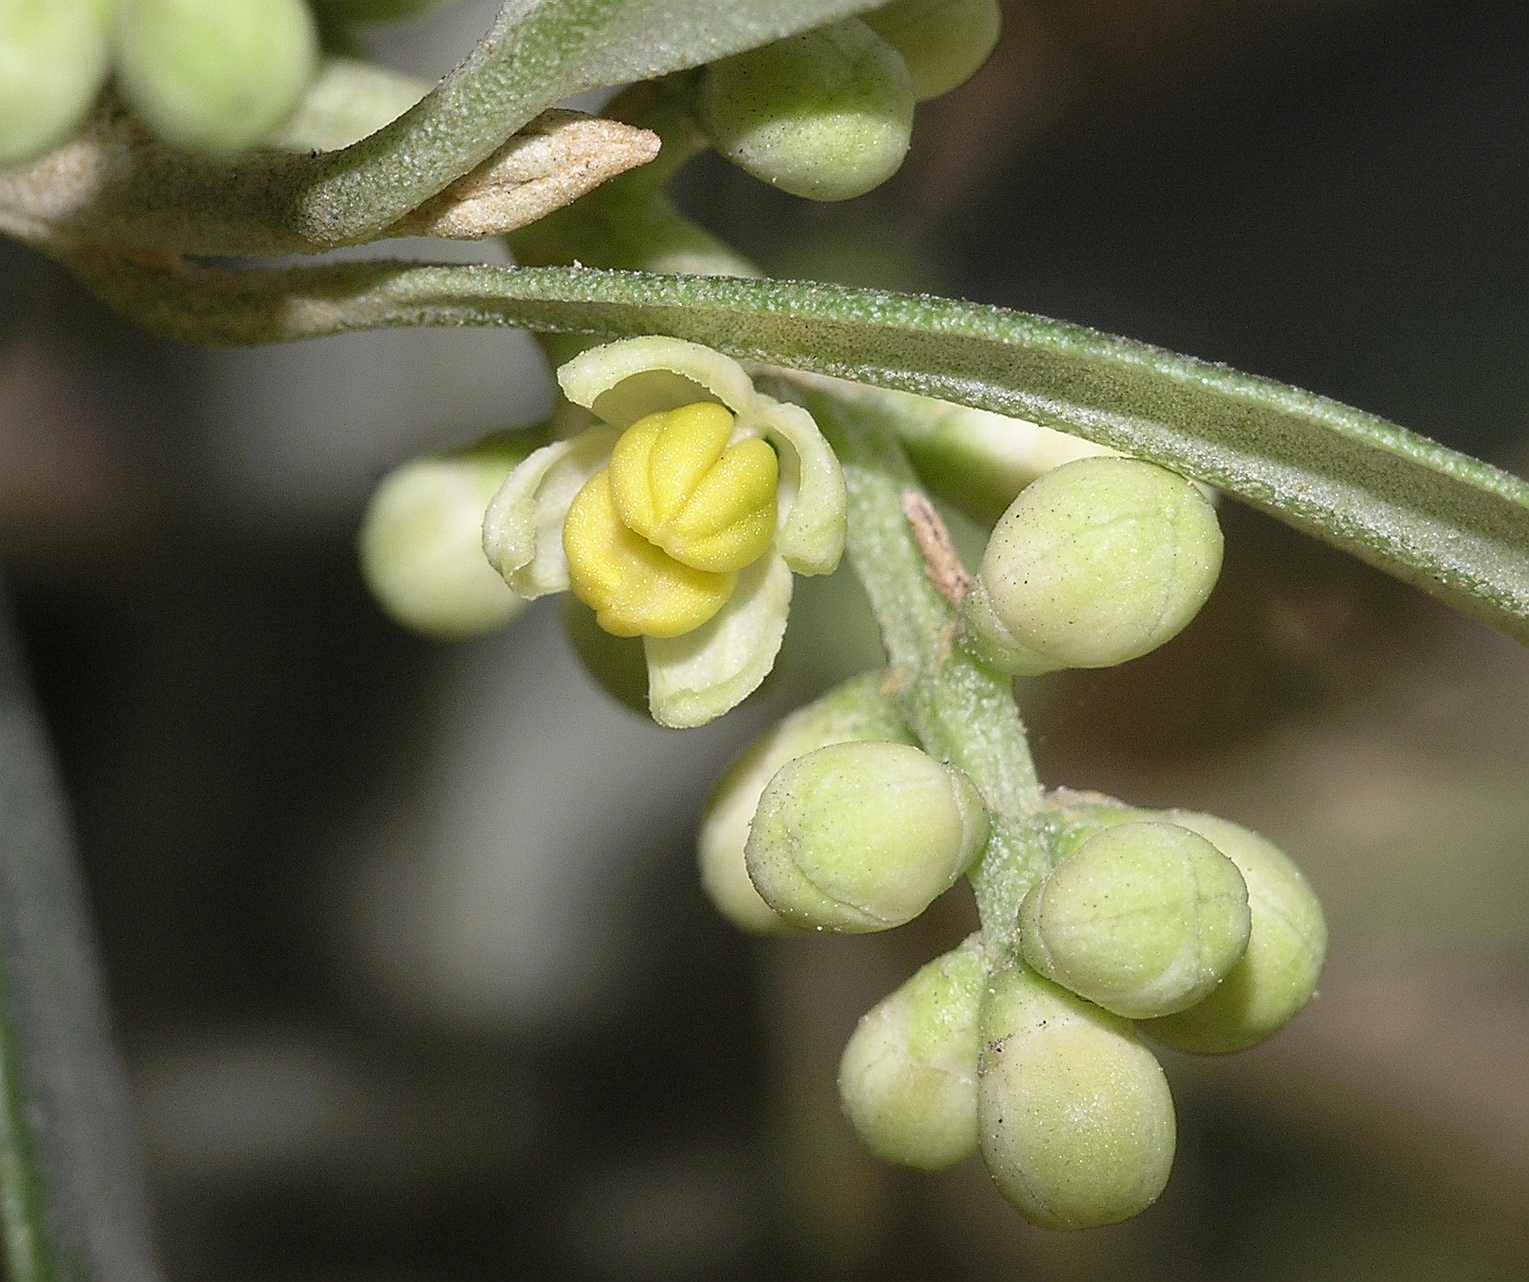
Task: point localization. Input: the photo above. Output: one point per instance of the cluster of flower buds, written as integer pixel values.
(828, 114)
(202, 76)
(673, 503)
(1182, 928)
(1025, 1043)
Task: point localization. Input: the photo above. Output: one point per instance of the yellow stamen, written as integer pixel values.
(677, 483)
(635, 589)
(655, 541)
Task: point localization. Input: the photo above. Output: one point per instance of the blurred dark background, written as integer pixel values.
(408, 959)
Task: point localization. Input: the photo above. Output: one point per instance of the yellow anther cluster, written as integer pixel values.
(655, 541)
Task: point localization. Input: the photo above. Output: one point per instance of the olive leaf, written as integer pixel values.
(1452, 525)
(73, 1204)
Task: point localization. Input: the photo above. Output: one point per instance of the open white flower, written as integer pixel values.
(679, 517)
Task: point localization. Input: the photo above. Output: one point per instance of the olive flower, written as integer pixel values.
(679, 517)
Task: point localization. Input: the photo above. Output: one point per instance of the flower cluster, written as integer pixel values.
(675, 505)
(1025, 1043)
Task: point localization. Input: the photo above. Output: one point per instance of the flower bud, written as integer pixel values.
(54, 56)
(908, 1078)
(1073, 1113)
(421, 540)
(214, 77)
(1278, 974)
(1097, 562)
(863, 836)
(826, 114)
(944, 42)
(855, 710)
(1144, 920)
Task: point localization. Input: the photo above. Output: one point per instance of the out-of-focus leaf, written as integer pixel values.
(70, 1194)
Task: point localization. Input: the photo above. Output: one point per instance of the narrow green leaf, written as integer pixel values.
(1448, 523)
(71, 1200)
(28, 1251)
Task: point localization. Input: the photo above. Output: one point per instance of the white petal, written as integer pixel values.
(812, 483)
(695, 678)
(627, 380)
(523, 528)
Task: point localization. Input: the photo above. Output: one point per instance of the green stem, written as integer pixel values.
(114, 184)
(961, 711)
(536, 53)
(268, 202)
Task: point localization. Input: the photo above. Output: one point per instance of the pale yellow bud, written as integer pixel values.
(908, 1078)
(1145, 919)
(827, 114)
(863, 836)
(1074, 1116)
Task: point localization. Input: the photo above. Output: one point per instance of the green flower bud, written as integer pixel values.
(1144, 920)
(826, 115)
(863, 836)
(944, 42)
(908, 1078)
(421, 540)
(854, 710)
(54, 56)
(1278, 974)
(1073, 1113)
(214, 77)
(1097, 562)
(1287, 938)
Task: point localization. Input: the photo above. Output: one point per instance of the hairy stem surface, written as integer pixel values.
(962, 711)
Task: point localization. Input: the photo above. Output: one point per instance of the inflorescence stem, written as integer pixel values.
(962, 712)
